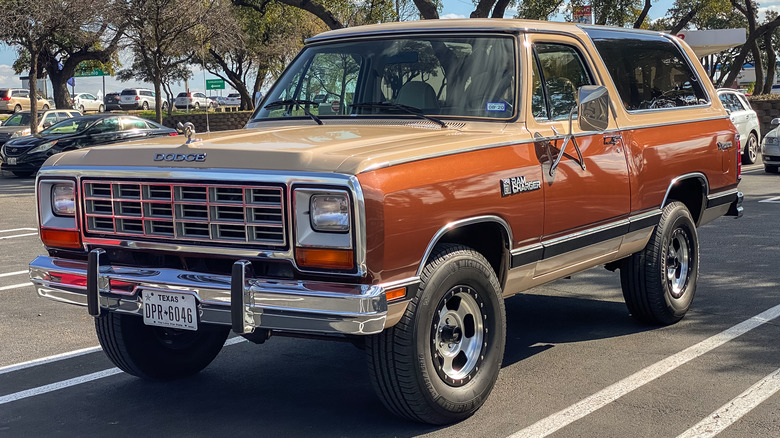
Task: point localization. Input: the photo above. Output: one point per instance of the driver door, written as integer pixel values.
(585, 198)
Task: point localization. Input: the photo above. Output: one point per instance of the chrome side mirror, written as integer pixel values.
(593, 108)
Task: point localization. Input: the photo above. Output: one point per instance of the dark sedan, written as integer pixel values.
(23, 156)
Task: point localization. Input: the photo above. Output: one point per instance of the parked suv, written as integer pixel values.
(17, 99)
(450, 165)
(136, 98)
(195, 100)
(18, 125)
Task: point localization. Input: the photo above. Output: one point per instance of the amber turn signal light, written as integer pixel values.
(395, 294)
(61, 238)
(324, 258)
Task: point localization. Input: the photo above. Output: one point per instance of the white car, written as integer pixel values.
(233, 99)
(745, 120)
(87, 102)
(770, 148)
(195, 100)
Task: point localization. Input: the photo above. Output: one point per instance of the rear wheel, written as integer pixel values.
(101, 108)
(440, 362)
(751, 150)
(145, 106)
(17, 108)
(197, 106)
(81, 108)
(45, 107)
(157, 353)
(659, 282)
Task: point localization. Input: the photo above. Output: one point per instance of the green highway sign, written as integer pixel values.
(215, 84)
(85, 73)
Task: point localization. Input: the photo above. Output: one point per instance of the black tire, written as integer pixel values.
(17, 108)
(197, 106)
(45, 107)
(23, 173)
(82, 110)
(145, 106)
(750, 155)
(101, 108)
(156, 353)
(439, 363)
(770, 169)
(659, 282)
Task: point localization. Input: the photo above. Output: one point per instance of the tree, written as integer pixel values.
(164, 35)
(258, 41)
(31, 25)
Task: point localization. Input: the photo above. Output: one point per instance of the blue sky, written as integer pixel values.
(452, 9)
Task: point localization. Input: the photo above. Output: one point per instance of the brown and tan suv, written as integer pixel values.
(394, 187)
(17, 99)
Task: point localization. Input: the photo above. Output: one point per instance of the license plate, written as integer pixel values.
(170, 309)
(12, 161)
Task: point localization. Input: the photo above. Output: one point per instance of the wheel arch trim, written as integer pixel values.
(507, 230)
(693, 175)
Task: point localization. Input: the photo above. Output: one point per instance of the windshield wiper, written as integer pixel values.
(297, 103)
(406, 108)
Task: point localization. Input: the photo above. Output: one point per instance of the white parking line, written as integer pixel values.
(16, 286)
(8, 274)
(732, 411)
(48, 359)
(18, 229)
(70, 382)
(775, 200)
(563, 418)
(18, 235)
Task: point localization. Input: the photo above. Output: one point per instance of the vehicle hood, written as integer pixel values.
(11, 129)
(344, 148)
(34, 140)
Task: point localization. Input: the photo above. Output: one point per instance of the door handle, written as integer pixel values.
(612, 139)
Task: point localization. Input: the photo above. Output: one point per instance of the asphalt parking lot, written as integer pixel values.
(576, 364)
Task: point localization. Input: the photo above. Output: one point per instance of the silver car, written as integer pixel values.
(770, 148)
(745, 120)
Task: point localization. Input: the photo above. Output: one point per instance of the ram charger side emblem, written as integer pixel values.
(518, 184)
(181, 157)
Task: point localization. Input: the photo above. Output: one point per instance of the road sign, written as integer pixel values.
(94, 72)
(215, 84)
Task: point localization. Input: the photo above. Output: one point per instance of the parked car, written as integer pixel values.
(24, 156)
(233, 99)
(137, 98)
(770, 148)
(112, 101)
(87, 102)
(17, 99)
(746, 121)
(195, 100)
(218, 101)
(18, 125)
(399, 214)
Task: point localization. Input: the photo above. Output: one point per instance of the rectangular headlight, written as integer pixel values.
(63, 199)
(329, 213)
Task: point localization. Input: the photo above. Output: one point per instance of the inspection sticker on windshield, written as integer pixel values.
(170, 309)
(495, 107)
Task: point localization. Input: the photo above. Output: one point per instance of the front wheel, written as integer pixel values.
(659, 282)
(157, 353)
(750, 156)
(439, 363)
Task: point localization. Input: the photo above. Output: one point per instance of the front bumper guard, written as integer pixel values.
(238, 300)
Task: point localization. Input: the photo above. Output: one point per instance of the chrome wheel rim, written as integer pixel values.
(678, 262)
(752, 148)
(459, 336)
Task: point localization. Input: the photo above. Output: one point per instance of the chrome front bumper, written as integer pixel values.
(295, 306)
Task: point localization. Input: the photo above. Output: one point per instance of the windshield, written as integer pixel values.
(436, 76)
(70, 126)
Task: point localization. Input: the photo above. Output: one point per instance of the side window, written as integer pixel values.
(562, 73)
(743, 100)
(50, 118)
(727, 99)
(656, 74)
(106, 126)
(133, 124)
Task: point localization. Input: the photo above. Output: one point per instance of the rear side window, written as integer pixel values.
(181, 95)
(649, 71)
(129, 93)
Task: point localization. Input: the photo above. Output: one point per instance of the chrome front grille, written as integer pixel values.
(220, 213)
